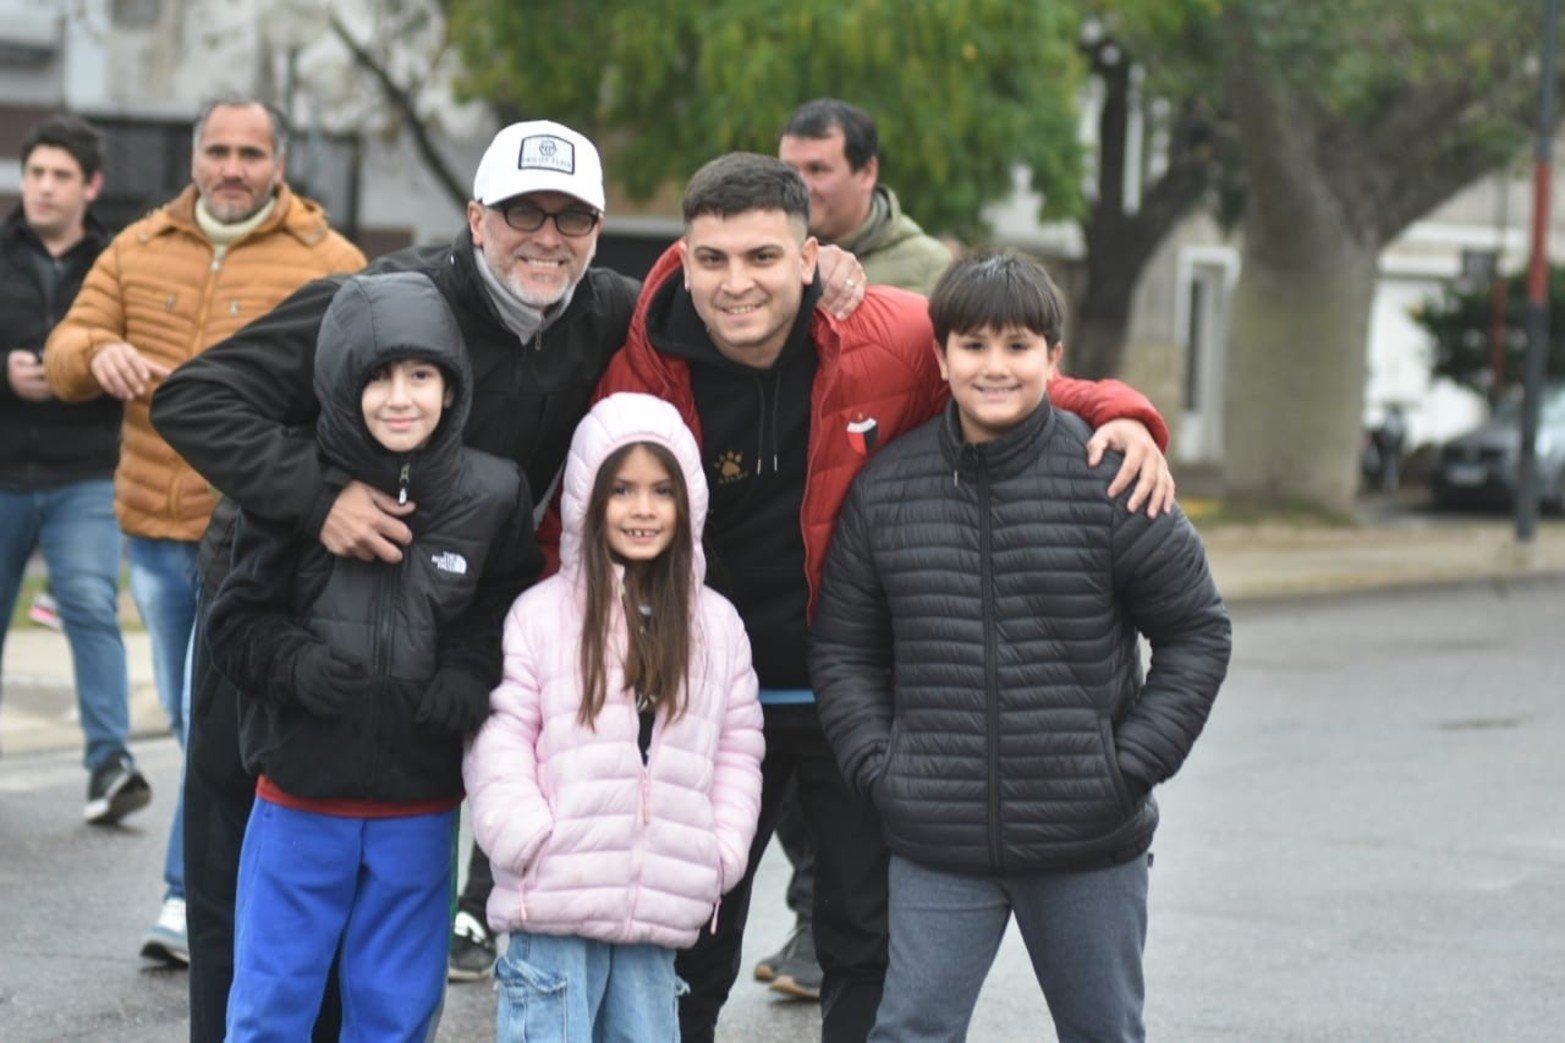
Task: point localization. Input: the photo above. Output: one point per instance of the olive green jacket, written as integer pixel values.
(893, 249)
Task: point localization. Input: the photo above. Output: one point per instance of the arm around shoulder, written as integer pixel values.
(240, 412)
(1099, 401)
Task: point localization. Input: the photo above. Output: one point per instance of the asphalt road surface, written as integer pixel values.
(1367, 844)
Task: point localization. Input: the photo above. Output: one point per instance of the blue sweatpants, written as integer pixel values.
(379, 889)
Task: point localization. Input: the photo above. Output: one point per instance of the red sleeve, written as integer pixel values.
(1099, 401)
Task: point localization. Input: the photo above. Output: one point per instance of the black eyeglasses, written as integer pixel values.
(529, 217)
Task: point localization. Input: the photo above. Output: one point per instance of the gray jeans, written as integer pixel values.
(1084, 931)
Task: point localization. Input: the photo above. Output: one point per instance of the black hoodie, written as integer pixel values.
(755, 434)
(44, 445)
(472, 552)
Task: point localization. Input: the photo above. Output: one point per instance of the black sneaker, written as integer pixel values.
(798, 973)
(115, 790)
(472, 950)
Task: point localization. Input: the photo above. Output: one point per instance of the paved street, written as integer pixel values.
(1368, 844)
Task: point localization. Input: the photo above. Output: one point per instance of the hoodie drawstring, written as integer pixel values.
(760, 434)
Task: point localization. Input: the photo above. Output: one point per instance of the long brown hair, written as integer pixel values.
(657, 651)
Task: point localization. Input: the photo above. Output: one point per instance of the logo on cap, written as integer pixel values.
(547, 152)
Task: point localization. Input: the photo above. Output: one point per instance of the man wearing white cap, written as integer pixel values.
(539, 327)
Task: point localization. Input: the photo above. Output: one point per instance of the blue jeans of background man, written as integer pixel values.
(164, 585)
(1084, 931)
(576, 990)
(74, 526)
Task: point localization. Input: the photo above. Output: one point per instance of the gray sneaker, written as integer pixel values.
(167, 941)
(472, 954)
(794, 971)
(115, 790)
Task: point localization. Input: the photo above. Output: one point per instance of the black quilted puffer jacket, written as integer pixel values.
(975, 654)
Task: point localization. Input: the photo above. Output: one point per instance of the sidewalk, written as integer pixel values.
(1251, 563)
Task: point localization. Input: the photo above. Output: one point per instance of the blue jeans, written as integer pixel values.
(75, 528)
(164, 584)
(375, 894)
(573, 990)
(1084, 932)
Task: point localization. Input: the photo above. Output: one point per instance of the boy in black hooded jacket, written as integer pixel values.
(360, 679)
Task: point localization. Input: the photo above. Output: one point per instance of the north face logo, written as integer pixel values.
(450, 561)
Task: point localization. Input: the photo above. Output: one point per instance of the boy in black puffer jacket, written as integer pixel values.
(976, 664)
(359, 680)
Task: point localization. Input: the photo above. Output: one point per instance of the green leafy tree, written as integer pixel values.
(1354, 118)
(1461, 320)
(963, 90)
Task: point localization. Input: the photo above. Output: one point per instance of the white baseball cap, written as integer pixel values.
(539, 156)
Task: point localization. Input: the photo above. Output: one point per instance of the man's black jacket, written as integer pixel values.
(241, 413)
(48, 444)
(975, 649)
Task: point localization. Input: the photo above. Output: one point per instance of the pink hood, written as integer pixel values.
(614, 422)
(584, 838)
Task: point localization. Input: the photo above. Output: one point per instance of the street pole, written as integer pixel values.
(1538, 289)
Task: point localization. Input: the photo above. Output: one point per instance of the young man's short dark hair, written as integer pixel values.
(74, 135)
(996, 290)
(744, 181)
(818, 118)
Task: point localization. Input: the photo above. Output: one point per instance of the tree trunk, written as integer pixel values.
(1296, 373)
(1300, 321)
(1097, 344)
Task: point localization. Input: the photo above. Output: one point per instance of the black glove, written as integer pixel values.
(455, 702)
(327, 680)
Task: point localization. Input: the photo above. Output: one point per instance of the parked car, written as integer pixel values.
(1483, 466)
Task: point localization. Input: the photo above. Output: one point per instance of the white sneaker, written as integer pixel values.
(167, 940)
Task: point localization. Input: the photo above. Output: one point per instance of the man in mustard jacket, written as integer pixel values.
(222, 253)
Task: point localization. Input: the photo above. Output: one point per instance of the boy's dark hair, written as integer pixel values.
(234, 100)
(744, 181)
(818, 118)
(994, 290)
(74, 135)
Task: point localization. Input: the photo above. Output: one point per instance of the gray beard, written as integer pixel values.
(518, 314)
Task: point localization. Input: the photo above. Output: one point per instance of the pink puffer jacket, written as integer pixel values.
(583, 838)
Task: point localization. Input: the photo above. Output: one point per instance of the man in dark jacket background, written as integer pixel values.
(57, 459)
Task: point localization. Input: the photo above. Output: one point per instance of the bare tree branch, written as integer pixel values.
(402, 100)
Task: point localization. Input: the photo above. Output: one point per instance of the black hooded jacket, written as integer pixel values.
(44, 445)
(755, 433)
(285, 594)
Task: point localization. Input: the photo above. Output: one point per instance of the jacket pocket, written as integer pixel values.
(878, 784)
(1127, 803)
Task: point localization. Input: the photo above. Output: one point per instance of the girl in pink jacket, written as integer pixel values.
(617, 783)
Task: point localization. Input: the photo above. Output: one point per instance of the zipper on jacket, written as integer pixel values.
(991, 670)
(402, 483)
(385, 611)
(638, 848)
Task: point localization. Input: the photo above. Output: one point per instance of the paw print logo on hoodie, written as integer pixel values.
(729, 467)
